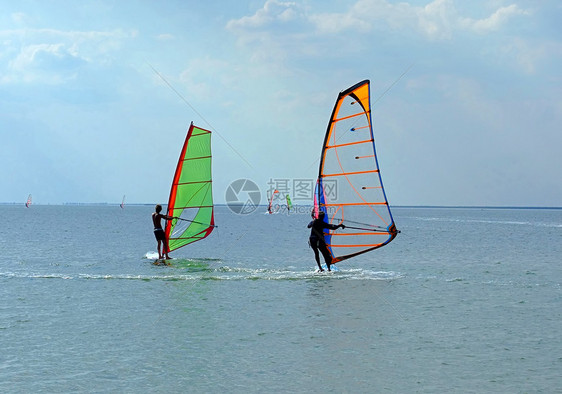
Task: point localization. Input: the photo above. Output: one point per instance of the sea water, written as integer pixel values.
(463, 300)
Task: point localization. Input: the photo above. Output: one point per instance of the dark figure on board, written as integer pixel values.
(316, 239)
(159, 233)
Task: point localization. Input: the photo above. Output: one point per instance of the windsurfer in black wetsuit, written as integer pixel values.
(316, 239)
(159, 231)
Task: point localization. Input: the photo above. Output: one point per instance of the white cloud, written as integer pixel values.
(272, 11)
(281, 44)
(529, 56)
(51, 56)
(494, 21)
(33, 61)
(272, 34)
(437, 20)
(282, 28)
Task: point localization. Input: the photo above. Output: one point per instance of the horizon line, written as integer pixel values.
(265, 205)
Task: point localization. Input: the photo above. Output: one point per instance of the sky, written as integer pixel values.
(96, 96)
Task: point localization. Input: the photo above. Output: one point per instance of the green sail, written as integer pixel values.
(191, 196)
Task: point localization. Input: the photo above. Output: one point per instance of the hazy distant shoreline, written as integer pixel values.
(116, 204)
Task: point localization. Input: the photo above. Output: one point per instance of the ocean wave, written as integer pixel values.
(488, 221)
(223, 273)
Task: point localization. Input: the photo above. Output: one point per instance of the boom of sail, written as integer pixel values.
(191, 195)
(349, 188)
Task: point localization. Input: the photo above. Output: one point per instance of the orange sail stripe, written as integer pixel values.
(348, 144)
(360, 127)
(348, 117)
(350, 173)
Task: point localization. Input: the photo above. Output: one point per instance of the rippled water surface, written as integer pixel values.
(464, 300)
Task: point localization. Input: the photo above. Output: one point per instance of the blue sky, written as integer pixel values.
(475, 120)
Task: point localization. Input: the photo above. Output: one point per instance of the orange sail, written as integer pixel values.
(349, 188)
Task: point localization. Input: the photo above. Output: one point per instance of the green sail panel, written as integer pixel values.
(191, 195)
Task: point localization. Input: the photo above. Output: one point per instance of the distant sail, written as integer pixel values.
(349, 188)
(289, 204)
(122, 205)
(28, 202)
(270, 206)
(191, 196)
